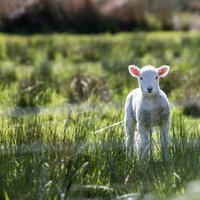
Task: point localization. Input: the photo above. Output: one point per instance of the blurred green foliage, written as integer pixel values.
(48, 65)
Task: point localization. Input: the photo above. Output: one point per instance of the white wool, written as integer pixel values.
(146, 107)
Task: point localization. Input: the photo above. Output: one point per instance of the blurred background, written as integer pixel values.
(97, 16)
(55, 51)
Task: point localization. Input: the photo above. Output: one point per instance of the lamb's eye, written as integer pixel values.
(141, 78)
(156, 77)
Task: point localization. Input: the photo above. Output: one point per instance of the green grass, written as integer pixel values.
(49, 156)
(58, 90)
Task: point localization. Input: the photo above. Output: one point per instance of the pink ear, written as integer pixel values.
(133, 70)
(163, 70)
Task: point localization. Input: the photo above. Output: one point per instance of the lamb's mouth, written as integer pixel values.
(149, 92)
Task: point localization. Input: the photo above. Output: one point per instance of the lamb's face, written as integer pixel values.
(148, 77)
(149, 80)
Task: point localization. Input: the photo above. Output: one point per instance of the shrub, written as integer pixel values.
(82, 88)
(192, 109)
(32, 93)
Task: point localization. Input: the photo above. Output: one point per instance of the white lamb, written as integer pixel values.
(146, 107)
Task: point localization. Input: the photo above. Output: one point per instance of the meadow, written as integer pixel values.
(58, 90)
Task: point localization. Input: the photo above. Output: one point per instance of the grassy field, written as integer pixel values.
(57, 91)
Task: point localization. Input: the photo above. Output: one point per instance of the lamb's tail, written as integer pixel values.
(107, 127)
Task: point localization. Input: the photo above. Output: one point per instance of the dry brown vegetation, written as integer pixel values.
(90, 15)
(79, 15)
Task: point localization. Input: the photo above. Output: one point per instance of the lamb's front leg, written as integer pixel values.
(129, 125)
(164, 139)
(143, 141)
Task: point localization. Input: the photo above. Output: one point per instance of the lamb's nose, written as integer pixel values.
(149, 89)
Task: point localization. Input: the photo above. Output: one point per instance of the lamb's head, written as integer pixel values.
(148, 77)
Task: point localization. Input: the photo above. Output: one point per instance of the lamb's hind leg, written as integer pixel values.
(129, 125)
(143, 142)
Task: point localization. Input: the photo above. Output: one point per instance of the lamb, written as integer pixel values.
(145, 108)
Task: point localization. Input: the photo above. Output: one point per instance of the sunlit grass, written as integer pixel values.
(51, 156)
